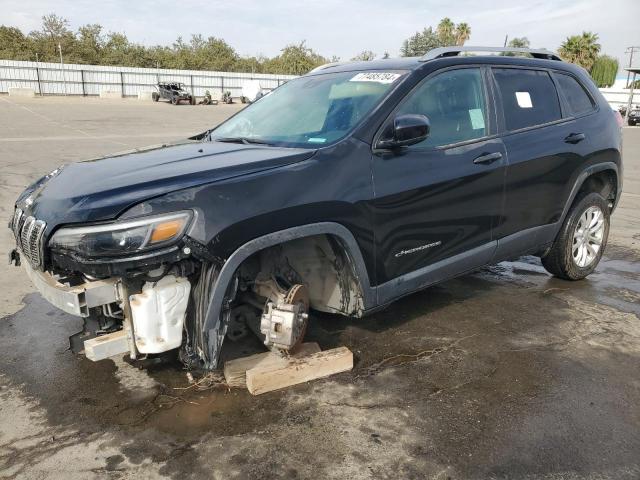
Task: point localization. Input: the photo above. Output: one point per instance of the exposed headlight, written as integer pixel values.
(123, 237)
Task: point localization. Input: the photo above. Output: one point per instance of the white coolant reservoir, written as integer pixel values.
(158, 314)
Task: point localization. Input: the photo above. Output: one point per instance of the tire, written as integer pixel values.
(155, 96)
(174, 100)
(570, 256)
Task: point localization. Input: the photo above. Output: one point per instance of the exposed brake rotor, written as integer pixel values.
(284, 323)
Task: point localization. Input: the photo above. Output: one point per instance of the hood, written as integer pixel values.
(101, 189)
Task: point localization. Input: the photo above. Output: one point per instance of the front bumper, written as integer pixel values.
(78, 299)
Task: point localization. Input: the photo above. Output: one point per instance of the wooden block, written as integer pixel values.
(266, 378)
(235, 370)
(106, 346)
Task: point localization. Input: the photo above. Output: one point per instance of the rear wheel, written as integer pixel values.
(581, 241)
(174, 100)
(155, 96)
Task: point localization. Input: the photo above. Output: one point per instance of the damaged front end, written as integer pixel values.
(143, 302)
(144, 286)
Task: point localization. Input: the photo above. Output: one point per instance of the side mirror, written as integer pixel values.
(405, 130)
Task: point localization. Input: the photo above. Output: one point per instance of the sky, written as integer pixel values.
(341, 27)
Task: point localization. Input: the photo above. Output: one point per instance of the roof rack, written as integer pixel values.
(327, 65)
(453, 51)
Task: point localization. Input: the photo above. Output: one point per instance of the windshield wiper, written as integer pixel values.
(243, 140)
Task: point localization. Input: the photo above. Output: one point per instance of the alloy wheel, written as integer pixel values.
(588, 236)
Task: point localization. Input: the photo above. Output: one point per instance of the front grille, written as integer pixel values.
(28, 232)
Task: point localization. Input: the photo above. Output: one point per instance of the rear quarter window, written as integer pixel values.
(578, 100)
(529, 97)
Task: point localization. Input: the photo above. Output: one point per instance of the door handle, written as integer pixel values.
(487, 158)
(574, 138)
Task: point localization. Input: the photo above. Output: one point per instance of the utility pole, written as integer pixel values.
(64, 77)
(506, 37)
(630, 51)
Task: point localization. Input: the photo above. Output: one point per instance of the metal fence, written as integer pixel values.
(54, 79)
(619, 97)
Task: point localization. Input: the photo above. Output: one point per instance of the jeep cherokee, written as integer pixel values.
(341, 191)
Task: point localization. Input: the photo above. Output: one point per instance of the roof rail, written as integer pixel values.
(327, 65)
(453, 51)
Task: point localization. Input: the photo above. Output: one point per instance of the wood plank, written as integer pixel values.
(235, 370)
(266, 378)
(106, 346)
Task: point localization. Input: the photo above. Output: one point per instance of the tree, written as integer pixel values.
(581, 49)
(519, 42)
(295, 60)
(91, 45)
(14, 45)
(516, 42)
(420, 43)
(462, 33)
(604, 71)
(364, 56)
(55, 31)
(446, 31)
(446, 34)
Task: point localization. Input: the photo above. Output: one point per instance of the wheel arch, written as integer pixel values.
(235, 260)
(584, 178)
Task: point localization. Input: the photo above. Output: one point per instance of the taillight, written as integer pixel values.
(619, 118)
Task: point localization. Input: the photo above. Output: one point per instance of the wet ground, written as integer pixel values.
(505, 373)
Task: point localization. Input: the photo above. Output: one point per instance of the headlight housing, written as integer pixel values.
(123, 237)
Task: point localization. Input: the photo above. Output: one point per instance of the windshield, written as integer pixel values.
(309, 111)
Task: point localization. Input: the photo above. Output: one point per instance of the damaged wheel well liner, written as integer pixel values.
(293, 239)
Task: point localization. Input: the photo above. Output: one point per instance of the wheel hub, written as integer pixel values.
(588, 236)
(284, 323)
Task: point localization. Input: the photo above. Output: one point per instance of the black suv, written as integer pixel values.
(340, 191)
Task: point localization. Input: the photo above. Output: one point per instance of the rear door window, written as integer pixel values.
(578, 100)
(529, 97)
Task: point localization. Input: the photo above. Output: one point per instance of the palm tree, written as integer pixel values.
(581, 49)
(445, 31)
(519, 42)
(463, 32)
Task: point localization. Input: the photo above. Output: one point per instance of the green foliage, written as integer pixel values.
(519, 42)
(604, 71)
(581, 49)
(294, 60)
(516, 42)
(90, 45)
(446, 34)
(364, 56)
(14, 45)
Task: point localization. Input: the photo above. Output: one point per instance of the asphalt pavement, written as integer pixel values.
(506, 373)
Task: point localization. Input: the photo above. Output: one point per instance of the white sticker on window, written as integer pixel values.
(477, 118)
(317, 140)
(379, 77)
(524, 100)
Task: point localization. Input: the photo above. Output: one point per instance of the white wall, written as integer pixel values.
(620, 96)
(91, 79)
